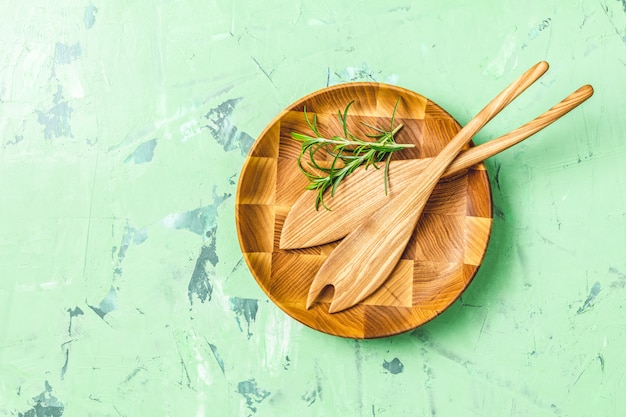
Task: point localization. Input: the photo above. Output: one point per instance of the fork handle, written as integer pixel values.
(479, 153)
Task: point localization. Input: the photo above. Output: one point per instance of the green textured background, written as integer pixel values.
(124, 125)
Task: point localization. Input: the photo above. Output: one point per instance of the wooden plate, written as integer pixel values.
(443, 255)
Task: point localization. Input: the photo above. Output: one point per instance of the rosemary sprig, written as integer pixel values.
(348, 153)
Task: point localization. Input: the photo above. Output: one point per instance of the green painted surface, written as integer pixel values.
(124, 126)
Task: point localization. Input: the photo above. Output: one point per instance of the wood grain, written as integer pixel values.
(408, 300)
(359, 194)
(367, 255)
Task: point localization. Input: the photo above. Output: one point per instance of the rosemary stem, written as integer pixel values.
(347, 142)
(395, 130)
(348, 153)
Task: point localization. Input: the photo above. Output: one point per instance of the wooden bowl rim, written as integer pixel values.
(276, 119)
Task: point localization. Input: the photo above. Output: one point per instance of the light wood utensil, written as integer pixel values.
(367, 256)
(444, 253)
(433, 273)
(362, 193)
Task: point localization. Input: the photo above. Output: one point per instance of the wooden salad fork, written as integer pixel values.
(364, 259)
(306, 226)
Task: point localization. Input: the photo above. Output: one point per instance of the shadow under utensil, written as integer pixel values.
(467, 315)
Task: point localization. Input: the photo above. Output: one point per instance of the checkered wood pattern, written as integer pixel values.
(443, 254)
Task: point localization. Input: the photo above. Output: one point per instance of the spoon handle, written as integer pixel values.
(452, 149)
(479, 153)
(361, 263)
(359, 195)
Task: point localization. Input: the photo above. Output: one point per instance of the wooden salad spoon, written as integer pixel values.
(364, 259)
(360, 193)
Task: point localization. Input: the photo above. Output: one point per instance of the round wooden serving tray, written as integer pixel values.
(443, 254)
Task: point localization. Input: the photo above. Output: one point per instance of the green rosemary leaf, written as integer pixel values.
(344, 119)
(381, 131)
(393, 115)
(312, 125)
(346, 153)
(386, 175)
